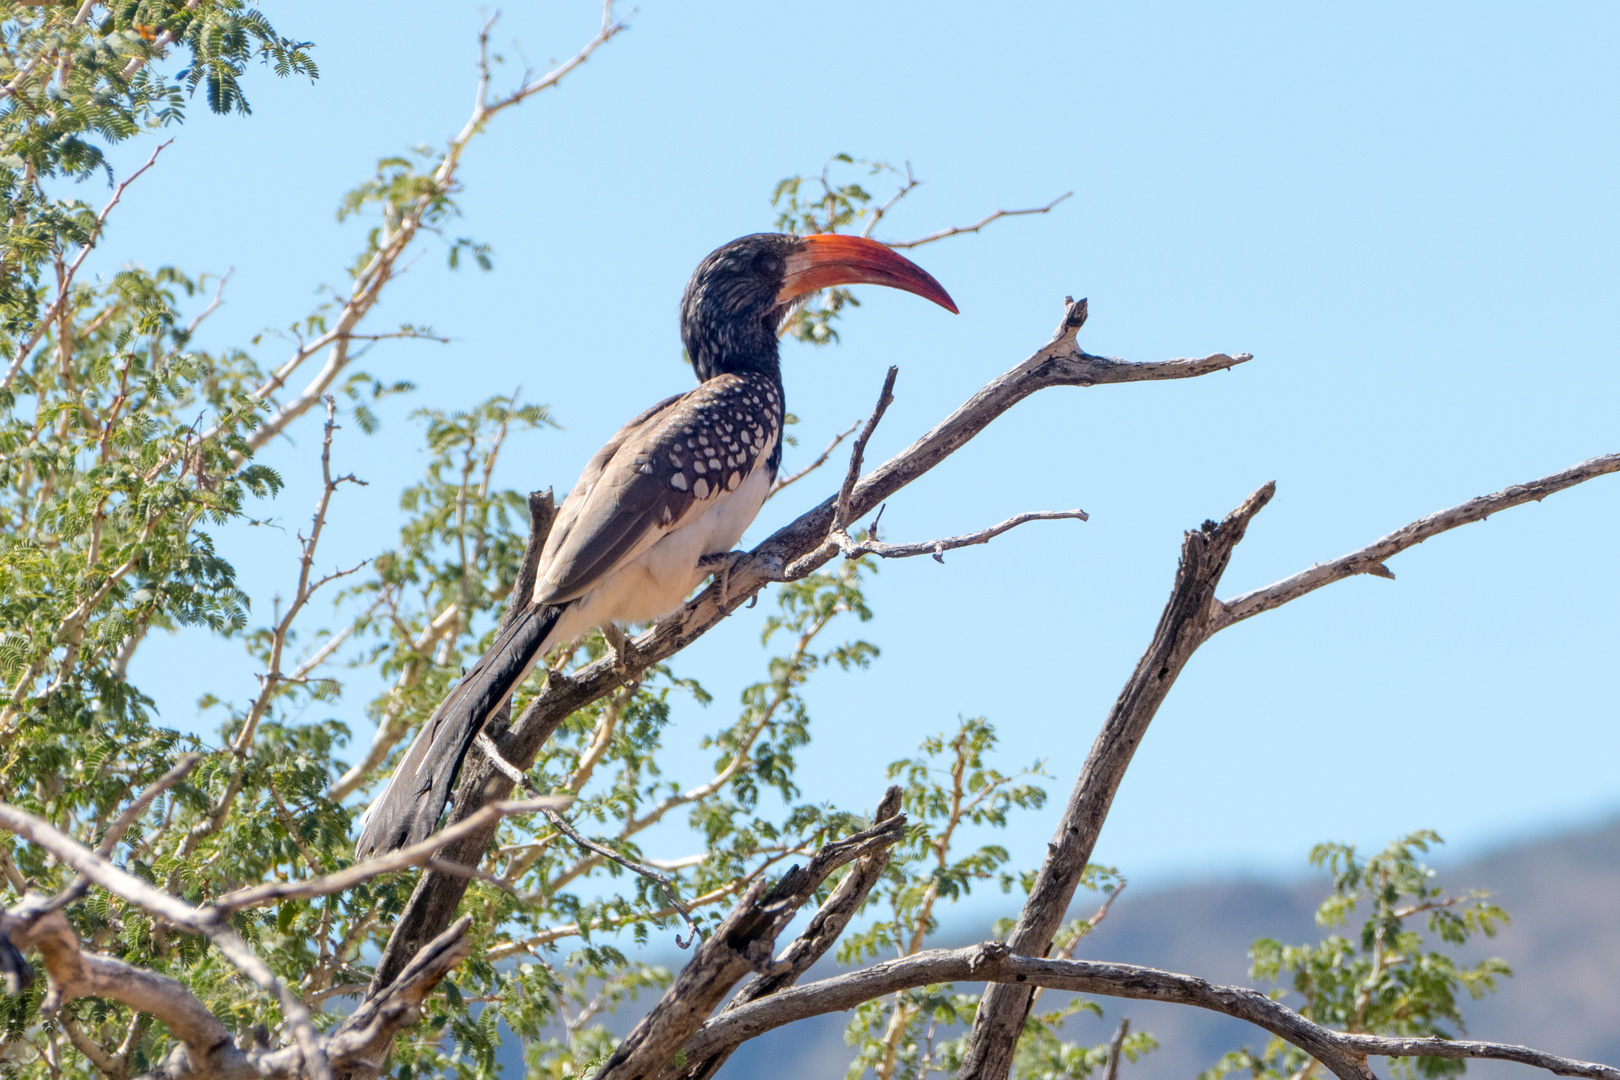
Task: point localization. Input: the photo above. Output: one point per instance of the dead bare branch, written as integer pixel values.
(1116, 1049)
(854, 549)
(742, 943)
(964, 229)
(1061, 362)
(828, 922)
(1346, 1055)
(1370, 559)
(361, 1043)
(205, 1049)
(211, 923)
(1190, 618)
(857, 453)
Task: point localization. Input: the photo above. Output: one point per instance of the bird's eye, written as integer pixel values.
(768, 264)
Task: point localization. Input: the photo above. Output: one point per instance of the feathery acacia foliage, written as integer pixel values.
(1390, 980)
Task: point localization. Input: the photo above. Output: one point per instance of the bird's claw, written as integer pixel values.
(722, 564)
(624, 653)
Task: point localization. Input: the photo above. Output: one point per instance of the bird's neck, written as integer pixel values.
(733, 348)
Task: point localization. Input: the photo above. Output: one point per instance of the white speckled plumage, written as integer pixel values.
(681, 481)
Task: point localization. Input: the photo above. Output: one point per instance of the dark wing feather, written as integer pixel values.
(568, 513)
(650, 485)
(408, 809)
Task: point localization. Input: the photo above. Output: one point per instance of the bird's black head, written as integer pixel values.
(740, 293)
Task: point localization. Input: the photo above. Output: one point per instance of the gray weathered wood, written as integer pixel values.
(1346, 1055)
(1191, 617)
(1188, 619)
(804, 545)
(742, 943)
(826, 924)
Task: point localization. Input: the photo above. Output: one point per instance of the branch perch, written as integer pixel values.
(959, 230)
(1061, 362)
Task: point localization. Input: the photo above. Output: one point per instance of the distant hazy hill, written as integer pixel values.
(1564, 946)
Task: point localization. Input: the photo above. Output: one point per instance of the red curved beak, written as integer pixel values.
(828, 259)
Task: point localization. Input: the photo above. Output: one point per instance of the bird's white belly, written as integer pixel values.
(658, 580)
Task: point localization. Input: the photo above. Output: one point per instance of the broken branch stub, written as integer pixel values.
(742, 943)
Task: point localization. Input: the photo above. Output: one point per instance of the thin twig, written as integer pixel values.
(854, 549)
(814, 465)
(857, 453)
(665, 885)
(403, 858)
(906, 188)
(273, 679)
(65, 288)
(960, 230)
(502, 950)
(115, 833)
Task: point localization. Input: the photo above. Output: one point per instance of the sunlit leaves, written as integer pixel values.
(1389, 979)
(82, 85)
(951, 792)
(408, 186)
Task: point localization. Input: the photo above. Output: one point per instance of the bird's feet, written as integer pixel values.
(624, 653)
(721, 564)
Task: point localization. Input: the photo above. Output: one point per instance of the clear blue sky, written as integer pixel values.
(1406, 212)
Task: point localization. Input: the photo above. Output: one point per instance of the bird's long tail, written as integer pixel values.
(409, 807)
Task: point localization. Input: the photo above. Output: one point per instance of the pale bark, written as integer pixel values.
(794, 551)
(1191, 617)
(1346, 1055)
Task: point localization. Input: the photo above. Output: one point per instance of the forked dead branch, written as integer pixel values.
(428, 942)
(1345, 1055)
(1018, 967)
(793, 552)
(1192, 616)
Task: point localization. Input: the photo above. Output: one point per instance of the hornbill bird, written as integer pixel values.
(677, 485)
